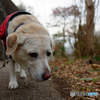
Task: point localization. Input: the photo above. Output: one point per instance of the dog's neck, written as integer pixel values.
(11, 30)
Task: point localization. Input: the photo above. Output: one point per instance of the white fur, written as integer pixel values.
(13, 82)
(22, 73)
(32, 37)
(17, 67)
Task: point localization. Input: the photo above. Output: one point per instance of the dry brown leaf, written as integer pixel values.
(64, 75)
(97, 90)
(95, 73)
(69, 73)
(87, 72)
(98, 83)
(81, 71)
(78, 83)
(75, 77)
(91, 83)
(95, 66)
(90, 98)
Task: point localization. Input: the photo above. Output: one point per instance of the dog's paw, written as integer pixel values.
(13, 85)
(50, 78)
(23, 75)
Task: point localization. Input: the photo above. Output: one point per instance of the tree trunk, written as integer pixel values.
(6, 7)
(90, 26)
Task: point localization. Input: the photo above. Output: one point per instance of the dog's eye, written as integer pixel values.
(33, 54)
(48, 53)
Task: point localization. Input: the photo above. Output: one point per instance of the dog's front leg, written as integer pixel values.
(28, 79)
(13, 82)
(17, 67)
(22, 73)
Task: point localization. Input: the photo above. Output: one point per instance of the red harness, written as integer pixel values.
(4, 25)
(3, 28)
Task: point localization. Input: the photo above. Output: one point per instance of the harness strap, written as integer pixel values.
(15, 15)
(18, 26)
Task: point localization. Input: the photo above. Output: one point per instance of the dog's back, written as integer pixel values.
(21, 19)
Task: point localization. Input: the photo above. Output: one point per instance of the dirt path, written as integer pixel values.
(35, 91)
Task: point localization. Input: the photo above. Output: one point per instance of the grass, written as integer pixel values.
(55, 69)
(94, 70)
(90, 79)
(69, 62)
(78, 74)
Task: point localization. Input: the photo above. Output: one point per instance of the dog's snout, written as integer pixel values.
(47, 74)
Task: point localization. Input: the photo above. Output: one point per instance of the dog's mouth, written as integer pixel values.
(33, 76)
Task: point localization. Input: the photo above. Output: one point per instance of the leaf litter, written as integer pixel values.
(77, 76)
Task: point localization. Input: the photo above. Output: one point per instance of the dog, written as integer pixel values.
(28, 44)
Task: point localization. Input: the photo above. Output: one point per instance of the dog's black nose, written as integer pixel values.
(47, 74)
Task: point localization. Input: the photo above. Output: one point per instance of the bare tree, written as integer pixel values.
(84, 14)
(90, 26)
(60, 16)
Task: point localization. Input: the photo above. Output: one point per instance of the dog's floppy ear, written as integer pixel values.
(11, 43)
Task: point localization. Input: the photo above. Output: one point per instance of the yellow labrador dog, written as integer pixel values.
(29, 44)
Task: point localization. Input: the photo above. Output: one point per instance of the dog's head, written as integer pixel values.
(31, 46)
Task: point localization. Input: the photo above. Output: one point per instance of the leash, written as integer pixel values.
(5, 63)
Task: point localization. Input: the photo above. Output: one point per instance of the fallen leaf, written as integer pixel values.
(91, 83)
(98, 83)
(95, 66)
(97, 90)
(79, 83)
(95, 73)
